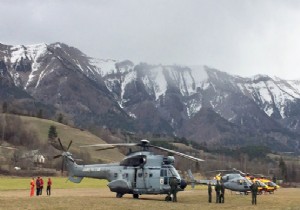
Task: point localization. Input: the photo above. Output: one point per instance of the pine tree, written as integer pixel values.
(60, 118)
(283, 168)
(52, 134)
(40, 114)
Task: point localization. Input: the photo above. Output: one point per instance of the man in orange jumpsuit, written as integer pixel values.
(32, 187)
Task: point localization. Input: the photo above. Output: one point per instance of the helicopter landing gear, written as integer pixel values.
(119, 195)
(136, 196)
(168, 198)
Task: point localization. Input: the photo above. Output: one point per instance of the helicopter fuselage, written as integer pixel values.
(139, 173)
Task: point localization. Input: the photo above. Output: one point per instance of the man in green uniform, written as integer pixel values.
(209, 192)
(222, 194)
(254, 189)
(218, 191)
(173, 190)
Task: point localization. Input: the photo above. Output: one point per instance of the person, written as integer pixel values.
(41, 185)
(32, 187)
(37, 186)
(173, 189)
(218, 191)
(49, 183)
(274, 179)
(254, 189)
(222, 194)
(209, 192)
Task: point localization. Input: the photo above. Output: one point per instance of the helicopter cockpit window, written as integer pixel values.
(134, 161)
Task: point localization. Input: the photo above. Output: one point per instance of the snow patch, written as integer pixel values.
(104, 67)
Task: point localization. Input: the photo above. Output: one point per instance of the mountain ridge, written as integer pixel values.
(98, 92)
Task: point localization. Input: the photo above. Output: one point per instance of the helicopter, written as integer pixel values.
(232, 181)
(141, 172)
(264, 184)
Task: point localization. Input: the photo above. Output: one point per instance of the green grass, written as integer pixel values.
(21, 183)
(79, 138)
(99, 197)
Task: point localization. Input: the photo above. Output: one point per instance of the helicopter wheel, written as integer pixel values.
(136, 196)
(119, 195)
(168, 198)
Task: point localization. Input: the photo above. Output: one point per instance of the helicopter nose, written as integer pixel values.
(183, 184)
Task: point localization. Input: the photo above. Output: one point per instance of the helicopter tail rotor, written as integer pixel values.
(64, 154)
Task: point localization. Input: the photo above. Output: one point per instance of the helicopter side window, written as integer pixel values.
(115, 175)
(140, 174)
(163, 173)
(150, 175)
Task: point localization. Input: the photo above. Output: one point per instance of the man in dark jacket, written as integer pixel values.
(254, 189)
(38, 186)
(222, 194)
(209, 192)
(173, 189)
(218, 191)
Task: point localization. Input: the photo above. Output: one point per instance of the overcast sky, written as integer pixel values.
(242, 37)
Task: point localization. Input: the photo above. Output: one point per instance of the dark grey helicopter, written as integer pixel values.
(233, 180)
(141, 172)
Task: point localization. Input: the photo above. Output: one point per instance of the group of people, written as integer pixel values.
(38, 186)
(220, 192)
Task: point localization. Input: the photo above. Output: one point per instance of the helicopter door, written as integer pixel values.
(142, 178)
(164, 179)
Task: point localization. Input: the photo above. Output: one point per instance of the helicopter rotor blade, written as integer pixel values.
(69, 145)
(57, 156)
(62, 147)
(62, 166)
(111, 145)
(101, 149)
(178, 153)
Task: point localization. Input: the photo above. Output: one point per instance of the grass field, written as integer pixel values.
(79, 138)
(93, 194)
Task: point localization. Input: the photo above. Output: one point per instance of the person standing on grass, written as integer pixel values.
(41, 185)
(37, 186)
(49, 183)
(222, 194)
(254, 190)
(209, 192)
(173, 190)
(218, 191)
(32, 187)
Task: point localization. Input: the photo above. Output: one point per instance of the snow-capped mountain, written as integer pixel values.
(152, 98)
